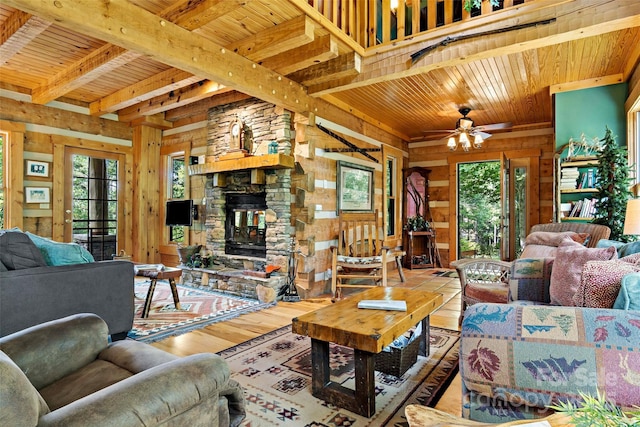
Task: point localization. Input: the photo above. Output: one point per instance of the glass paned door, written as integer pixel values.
(92, 207)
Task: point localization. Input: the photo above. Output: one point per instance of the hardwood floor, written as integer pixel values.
(222, 335)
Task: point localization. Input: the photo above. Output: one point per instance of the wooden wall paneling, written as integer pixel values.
(14, 173)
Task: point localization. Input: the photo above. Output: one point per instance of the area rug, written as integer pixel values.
(275, 372)
(199, 308)
(446, 273)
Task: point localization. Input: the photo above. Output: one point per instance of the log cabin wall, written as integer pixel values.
(435, 156)
(43, 133)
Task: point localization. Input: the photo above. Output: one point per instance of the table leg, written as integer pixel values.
(147, 301)
(425, 347)
(174, 292)
(399, 265)
(363, 400)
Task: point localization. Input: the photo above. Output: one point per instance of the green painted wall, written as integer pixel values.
(589, 111)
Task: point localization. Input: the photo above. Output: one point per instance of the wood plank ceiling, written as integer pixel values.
(503, 78)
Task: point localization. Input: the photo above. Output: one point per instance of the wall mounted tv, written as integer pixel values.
(179, 212)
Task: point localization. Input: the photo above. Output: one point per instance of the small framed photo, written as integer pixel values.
(37, 194)
(35, 168)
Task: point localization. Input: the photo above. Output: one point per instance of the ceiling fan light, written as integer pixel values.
(477, 141)
(465, 123)
(452, 144)
(464, 141)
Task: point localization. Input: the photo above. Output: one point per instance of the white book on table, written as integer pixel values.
(383, 304)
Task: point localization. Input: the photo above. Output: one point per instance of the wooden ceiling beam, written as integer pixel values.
(275, 40)
(157, 85)
(174, 99)
(87, 69)
(586, 84)
(170, 44)
(110, 57)
(343, 67)
(18, 30)
(573, 21)
(319, 50)
(192, 14)
(201, 107)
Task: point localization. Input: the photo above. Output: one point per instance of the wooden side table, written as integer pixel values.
(169, 273)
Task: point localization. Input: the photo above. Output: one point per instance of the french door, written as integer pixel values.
(93, 205)
(496, 201)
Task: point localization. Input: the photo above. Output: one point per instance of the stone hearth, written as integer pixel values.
(262, 124)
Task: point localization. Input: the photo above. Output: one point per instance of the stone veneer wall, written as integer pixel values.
(262, 123)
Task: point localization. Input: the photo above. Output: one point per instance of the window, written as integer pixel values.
(176, 190)
(391, 195)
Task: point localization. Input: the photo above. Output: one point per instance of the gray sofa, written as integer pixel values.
(86, 381)
(32, 292)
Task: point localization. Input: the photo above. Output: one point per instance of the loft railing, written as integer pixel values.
(375, 22)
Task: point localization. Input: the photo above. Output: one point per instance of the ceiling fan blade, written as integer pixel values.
(484, 135)
(439, 131)
(495, 126)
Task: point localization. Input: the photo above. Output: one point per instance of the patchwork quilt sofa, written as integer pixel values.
(42, 280)
(572, 325)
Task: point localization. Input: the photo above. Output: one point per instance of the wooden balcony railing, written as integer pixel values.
(375, 22)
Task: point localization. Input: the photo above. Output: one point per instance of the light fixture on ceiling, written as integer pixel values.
(466, 134)
(465, 142)
(394, 6)
(465, 131)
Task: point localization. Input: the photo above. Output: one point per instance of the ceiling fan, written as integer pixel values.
(466, 131)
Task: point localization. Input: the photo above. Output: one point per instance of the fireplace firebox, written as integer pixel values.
(245, 224)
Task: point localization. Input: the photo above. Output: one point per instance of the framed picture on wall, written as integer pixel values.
(354, 187)
(35, 168)
(37, 194)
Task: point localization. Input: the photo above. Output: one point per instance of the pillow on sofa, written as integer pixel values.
(17, 251)
(624, 249)
(544, 244)
(567, 271)
(629, 295)
(601, 281)
(58, 253)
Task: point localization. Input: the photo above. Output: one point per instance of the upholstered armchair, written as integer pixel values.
(65, 373)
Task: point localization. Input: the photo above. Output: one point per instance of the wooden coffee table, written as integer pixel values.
(169, 273)
(367, 332)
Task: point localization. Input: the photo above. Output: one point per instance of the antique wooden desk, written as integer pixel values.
(169, 273)
(367, 332)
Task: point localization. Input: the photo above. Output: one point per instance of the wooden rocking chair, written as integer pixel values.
(360, 255)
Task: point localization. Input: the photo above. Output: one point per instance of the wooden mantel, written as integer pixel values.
(266, 161)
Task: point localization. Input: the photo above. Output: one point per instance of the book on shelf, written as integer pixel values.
(584, 208)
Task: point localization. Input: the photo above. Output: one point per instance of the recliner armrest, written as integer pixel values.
(152, 397)
(69, 344)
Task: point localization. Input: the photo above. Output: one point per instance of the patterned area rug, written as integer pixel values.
(199, 308)
(275, 372)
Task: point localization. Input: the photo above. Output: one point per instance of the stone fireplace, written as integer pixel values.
(248, 198)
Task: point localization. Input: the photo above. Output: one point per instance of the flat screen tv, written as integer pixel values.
(179, 212)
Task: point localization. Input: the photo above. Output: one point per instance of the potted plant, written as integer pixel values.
(597, 411)
(612, 182)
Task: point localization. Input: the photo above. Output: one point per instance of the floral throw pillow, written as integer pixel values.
(600, 283)
(567, 269)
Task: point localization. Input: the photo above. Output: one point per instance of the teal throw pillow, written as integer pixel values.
(629, 295)
(624, 249)
(58, 253)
